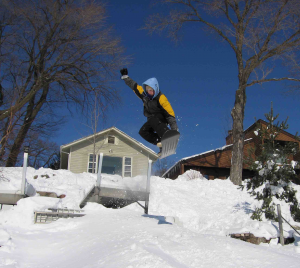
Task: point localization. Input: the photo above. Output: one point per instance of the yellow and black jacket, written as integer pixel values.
(158, 105)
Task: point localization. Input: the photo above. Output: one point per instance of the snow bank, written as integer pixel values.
(22, 215)
(209, 207)
(189, 220)
(201, 205)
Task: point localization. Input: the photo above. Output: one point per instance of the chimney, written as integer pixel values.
(229, 138)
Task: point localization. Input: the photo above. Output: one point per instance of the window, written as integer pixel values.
(111, 139)
(92, 163)
(112, 165)
(127, 167)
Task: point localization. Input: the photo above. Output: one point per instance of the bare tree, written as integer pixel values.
(55, 52)
(29, 117)
(7, 127)
(95, 120)
(258, 32)
(96, 115)
(54, 162)
(40, 133)
(41, 152)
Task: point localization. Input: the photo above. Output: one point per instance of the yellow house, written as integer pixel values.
(122, 155)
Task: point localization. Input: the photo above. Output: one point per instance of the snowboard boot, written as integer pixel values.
(159, 145)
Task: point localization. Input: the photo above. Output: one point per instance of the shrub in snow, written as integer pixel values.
(274, 172)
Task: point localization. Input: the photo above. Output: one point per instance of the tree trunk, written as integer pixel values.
(7, 132)
(237, 114)
(5, 136)
(31, 113)
(15, 150)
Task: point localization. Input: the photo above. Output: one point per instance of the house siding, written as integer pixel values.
(123, 148)
(218, 158)
(217, 164)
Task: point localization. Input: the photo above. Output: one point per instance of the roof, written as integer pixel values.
(201, 154)
(224, 147)
(260, 121)
(106, 131)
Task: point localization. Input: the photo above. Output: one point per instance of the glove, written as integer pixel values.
(124, 73)
(172, 122)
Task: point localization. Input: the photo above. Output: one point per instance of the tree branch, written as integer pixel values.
(212, 26)
(272, 79)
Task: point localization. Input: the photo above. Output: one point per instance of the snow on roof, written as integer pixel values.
(196, 155)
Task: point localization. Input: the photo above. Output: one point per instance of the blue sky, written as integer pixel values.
(199, 77)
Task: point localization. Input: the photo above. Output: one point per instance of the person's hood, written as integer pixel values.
(152, 82)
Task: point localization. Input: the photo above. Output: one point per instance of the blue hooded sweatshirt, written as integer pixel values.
(152, 82)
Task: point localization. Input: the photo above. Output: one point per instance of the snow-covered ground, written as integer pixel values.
(188, 225)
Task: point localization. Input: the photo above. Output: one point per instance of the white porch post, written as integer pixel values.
(25, 160)
(99, 170)
(148, 186)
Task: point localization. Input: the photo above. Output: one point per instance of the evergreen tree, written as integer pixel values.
(274, 171)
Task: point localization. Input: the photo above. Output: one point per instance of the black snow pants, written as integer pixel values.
(153, 130)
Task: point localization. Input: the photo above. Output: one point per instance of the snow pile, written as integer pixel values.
(187, 217)
(4, 237)
(191, 175)
(204, 206)
(212, 207)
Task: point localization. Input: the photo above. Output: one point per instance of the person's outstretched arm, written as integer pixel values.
(137, 89)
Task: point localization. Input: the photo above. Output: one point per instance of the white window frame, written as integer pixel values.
(88, 165)
(124, 166)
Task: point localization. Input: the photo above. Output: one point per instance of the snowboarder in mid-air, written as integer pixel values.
(159, 115)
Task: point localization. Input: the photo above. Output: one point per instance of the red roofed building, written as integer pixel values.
(216, 163)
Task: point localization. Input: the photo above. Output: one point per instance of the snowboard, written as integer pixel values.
(169, 143)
